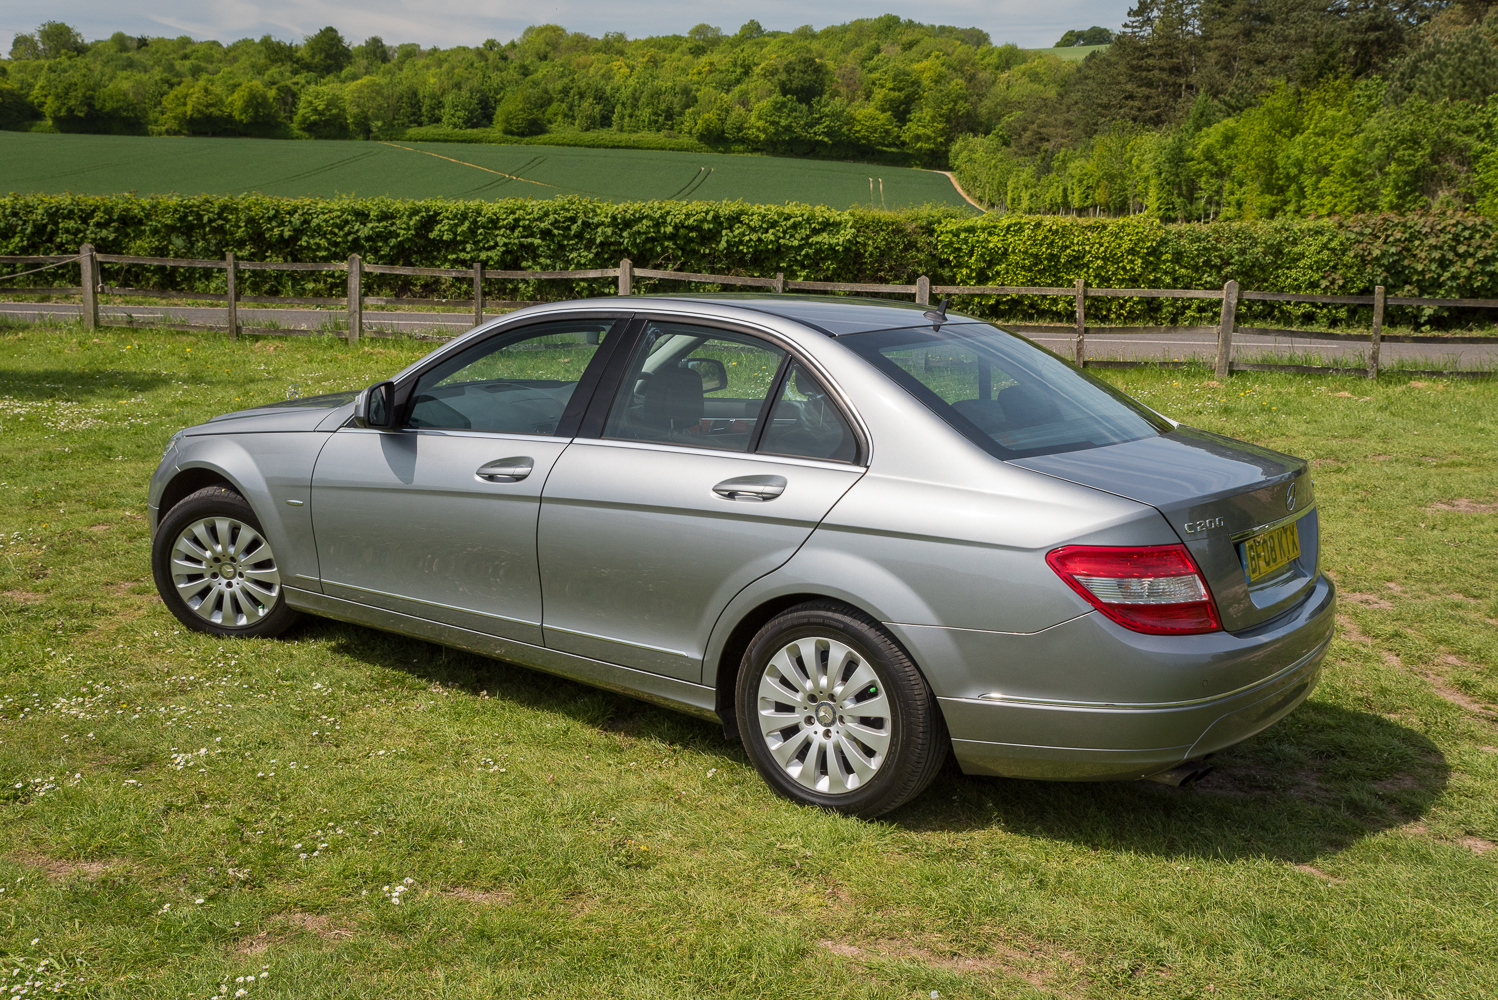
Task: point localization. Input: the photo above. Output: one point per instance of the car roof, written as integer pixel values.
(834, 316)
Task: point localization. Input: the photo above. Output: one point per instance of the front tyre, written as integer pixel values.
(215, 569)
(833, 713)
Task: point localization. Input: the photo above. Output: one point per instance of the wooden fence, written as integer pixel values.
(1230, 294)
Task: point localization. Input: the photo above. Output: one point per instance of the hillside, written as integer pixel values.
(95, 164)
(1197, 109)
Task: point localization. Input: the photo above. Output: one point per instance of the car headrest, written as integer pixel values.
(1026, 406)
(673, 399)
(805, 384)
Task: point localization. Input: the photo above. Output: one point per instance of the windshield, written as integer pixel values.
(1010, 397)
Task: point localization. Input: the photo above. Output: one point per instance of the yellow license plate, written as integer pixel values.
(1263, 554)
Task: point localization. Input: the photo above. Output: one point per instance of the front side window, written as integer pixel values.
(1010, 397)
(694, 386)
(515, 383)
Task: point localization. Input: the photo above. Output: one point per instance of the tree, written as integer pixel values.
(15, 109)
(131, 99)
(800, 76)
(1461, 66)
(873, 129)
(462, 109)
(277, 52)
(194, 108)
(1091, 36)
(326, 53)
(779, 124)
(57, 40)
(253, 103)
(367, 103)
(522, 111)
(66, 92)
(374, 51)
(322, 113)
(25, 47)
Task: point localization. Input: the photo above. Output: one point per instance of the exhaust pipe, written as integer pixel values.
(1183, 773)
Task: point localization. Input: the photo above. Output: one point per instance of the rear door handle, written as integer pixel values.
(506, 470)
(754, 489)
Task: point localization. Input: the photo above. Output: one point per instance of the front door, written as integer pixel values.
(718, 458)
(437, 518)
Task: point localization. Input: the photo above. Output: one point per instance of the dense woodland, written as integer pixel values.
(860, 88)
(1197, 110)
(1244, 109)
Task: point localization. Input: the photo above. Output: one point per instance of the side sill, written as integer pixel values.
(693, 699)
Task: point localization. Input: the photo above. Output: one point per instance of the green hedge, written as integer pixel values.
(1444, 256)
(515, 234)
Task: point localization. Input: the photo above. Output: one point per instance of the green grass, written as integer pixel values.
(164, 796)
(103, 164)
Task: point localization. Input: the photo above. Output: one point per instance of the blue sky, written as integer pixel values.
(468, 22)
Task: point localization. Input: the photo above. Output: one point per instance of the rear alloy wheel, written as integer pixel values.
(834, 714)
(216, 571)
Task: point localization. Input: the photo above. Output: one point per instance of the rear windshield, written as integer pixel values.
(1009, 396)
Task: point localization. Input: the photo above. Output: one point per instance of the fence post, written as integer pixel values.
(355, 298)
(626, 276)
(478, 292)
(88, 269)
(1081, 356)
(779, 285)
(1378, 331)
(1225, 329)
(232, 285)
(923, 291)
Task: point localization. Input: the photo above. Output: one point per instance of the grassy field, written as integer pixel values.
(102, 164)
(343, 813)
(1071, 53)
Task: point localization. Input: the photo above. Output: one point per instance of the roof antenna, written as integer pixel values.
(938, 316)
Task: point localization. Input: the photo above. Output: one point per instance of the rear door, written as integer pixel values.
(707, 467)
(437, 518)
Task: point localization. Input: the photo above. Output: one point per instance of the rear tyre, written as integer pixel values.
(833, 713)
(215, 569)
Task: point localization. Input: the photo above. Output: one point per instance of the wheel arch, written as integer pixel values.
(187, 482)
(737, 639)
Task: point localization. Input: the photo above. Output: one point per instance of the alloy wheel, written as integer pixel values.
(824, 715)
(225, 572)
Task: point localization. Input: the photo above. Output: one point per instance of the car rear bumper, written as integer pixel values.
(1030, 737)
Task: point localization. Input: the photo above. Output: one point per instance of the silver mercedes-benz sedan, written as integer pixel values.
(860, 534)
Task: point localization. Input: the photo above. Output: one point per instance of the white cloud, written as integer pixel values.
(468, 22)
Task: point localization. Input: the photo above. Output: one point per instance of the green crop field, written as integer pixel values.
(104, 164)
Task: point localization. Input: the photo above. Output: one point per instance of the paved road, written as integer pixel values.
(1249, 347)
(448, 324)
(1147, 346)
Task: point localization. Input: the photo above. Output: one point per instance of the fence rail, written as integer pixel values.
(1230, 295)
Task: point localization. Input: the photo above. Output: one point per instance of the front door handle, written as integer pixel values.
(754, 489)
(506, 470)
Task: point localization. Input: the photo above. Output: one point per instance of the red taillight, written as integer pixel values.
(1149, 588)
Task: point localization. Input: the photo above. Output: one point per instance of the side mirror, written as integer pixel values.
(714, 376)
(375, 406)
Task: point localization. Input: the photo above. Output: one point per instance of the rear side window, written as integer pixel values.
(1010, 397)
(694, 387)
(805, 423)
